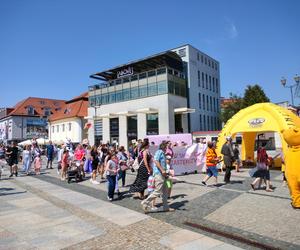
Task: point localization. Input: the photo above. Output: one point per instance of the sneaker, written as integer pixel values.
(16, 174)
(110, 199)
(145, 208)
(58, 172)
(91, 180)
(204, 183)
(153, 209)
(95, 182)
(11, 175)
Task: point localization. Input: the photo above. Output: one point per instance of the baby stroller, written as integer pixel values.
(74, 172)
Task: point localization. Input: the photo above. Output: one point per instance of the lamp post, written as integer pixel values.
(297, 80)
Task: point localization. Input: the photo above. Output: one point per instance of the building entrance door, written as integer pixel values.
(178, 123)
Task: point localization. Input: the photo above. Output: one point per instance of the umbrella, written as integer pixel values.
(42, 141)
(24, 143)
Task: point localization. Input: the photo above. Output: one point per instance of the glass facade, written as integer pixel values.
(155, 82)
(152, 124)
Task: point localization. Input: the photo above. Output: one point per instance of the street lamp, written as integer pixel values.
(297, 80)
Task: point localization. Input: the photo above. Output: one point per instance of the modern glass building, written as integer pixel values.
(140, 98)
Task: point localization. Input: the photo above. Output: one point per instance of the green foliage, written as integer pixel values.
(253, 94)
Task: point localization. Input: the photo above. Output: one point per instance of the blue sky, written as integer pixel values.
(49, 48)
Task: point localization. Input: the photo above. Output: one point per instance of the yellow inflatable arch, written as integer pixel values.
(258, 118)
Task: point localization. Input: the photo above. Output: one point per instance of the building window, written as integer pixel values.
(205, 60)
(162, 87)
(114, 128)
(199, 96)
(204, 122)
(203, 100)
(210, 83)
(151, 73)
(170, 71)
(142, 75)
(70, 126)
(152, 124)
(214, 104)
(210, 101)
(202, 80)
(152, 89)
(47, 111)
(212, 123)
(207, 104)
(161, 71)
(52, 129)
(63, 128)
(200, 122)
(202, 58)
(206, 81)
(216, 66)
(208, 123)
(135, 93)
(217, 105)
(217, 85)
(213, 81)
(198, 56)
(134, 78)
(212, 64)
(57, 128)
(208, 62)
(30, 110)
(198, 78)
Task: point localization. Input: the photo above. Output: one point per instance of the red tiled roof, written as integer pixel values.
(39, 104)
(76, 107)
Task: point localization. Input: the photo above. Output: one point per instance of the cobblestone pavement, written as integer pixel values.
(235, 209)
(36, 214)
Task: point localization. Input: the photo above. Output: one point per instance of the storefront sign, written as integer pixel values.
(125, 72)
(256, 122)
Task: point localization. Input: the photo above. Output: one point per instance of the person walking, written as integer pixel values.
(160, 187)
(237, 159)
(111, 170)
(123, 158)
(13, 153)
(37, 163)
(211, 163)
(26, 159)
(262, 172)
(50, 154)
(228, 158)
(140, 184)
(64, 163)
(95, 162)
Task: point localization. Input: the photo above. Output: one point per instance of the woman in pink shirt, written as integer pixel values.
(79, 155)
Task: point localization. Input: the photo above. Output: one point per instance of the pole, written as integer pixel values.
(291, 87)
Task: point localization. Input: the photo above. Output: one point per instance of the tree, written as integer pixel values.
(231, 108)
(253, 94)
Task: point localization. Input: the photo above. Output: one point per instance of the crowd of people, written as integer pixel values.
(155, 173)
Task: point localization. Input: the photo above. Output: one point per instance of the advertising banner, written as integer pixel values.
(186, 159)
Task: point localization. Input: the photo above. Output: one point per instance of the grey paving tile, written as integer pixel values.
(203, 244)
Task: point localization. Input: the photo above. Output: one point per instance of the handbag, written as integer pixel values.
(136, 163)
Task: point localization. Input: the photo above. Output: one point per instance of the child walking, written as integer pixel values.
(37, 164)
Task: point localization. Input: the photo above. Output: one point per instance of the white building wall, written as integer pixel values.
(191, 58)
(164, 104)
(75, 134)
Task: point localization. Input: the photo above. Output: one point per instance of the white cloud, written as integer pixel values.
(231, 29)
